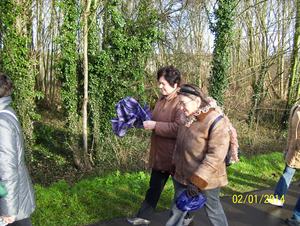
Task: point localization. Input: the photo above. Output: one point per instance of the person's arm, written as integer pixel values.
(9, 205)
(218, 145)
(294, 115)
(169, 129)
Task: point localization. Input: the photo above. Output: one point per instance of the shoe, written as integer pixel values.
(292, 221)
(138, 221)
(275, 202)
(186, 222)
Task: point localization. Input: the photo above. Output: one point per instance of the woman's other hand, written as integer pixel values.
(8, 220)
(192, 190)
(148, 125)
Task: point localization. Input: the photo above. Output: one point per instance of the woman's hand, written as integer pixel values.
(192, 190)
(8, 220)
(148, 125)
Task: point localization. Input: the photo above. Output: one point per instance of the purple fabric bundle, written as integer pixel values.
(192, 203)
(130, 115)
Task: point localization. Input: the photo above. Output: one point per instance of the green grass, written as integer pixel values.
(255, 173)
(94, 200)
(119, 195)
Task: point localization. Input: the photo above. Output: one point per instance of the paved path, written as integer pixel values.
(238, 214)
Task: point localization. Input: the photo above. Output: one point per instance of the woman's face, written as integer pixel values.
(165, 86)
(188, 105)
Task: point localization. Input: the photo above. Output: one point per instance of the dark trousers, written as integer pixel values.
(157, 182)
(24, 222)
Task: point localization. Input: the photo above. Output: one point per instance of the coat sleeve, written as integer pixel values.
(218, 144)
(8, 169)
(291, 131)
(169, 129)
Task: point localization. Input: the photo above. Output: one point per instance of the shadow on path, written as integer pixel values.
(241, 210)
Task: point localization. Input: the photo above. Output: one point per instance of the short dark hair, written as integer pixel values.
(171, 74)
(6, 85)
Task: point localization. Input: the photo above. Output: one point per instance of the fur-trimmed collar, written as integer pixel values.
(202, 116)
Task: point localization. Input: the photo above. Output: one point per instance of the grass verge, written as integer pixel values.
(119, 195)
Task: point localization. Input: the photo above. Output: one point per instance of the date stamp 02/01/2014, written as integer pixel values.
(249, 198)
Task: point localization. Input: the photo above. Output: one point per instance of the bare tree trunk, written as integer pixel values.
(259, 83)
(85, 98)
(39, 76)
(250, 53)
(281, 58)
(295, 63)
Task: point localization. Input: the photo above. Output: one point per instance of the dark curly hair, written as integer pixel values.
(171, 74)
(6, 85)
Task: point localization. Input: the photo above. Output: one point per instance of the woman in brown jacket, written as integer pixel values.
(199, 157)
(292, 160)
(164, 126)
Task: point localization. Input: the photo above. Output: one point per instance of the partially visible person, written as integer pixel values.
(3, 193)
(17, 206)
(292, 161)
(199, 157)
(164, 126)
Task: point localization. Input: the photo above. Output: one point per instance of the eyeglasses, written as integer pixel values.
(181, 104)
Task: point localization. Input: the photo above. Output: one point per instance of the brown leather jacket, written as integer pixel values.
(167, 116)
(198, 158)
(293, 141)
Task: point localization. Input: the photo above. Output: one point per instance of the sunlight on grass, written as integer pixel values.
(95, 200)
(255, 173)
(118, 195)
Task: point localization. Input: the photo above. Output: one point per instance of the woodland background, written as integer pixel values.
(71, 61)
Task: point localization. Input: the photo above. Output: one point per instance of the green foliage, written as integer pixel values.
(67, 67)
(221, 25)
(118, 70)
(18, 62)
(115, 71)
